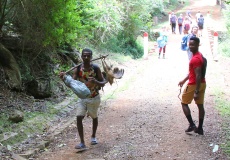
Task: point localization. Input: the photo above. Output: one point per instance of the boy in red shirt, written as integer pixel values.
(195, 88)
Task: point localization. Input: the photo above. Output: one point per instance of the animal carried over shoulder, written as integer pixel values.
(111, 73)
(81, 90)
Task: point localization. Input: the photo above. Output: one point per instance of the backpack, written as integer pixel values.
(184, 46)
(161, 41)
(184, 42)
(204, 66)
(173, 19)
(186, 27)
(201, 21)
(180, 20)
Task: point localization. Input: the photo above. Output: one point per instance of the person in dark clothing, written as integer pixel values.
(173, 20)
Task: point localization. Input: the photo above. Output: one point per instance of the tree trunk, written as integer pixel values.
(11, 68)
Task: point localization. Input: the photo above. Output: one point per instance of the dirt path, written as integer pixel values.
(145, 120)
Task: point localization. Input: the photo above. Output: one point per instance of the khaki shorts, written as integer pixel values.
(188, 94)
(89, 106)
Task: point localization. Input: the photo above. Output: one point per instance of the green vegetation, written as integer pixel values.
(34, 123)
(42, 29)
(224, 37)
(224, 47)
(223, 106)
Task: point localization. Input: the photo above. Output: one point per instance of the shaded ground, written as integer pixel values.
(145, 120)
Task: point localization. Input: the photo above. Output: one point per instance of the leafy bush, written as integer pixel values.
(124, 45)
(224, 44)
(223, 106)
(224, 36)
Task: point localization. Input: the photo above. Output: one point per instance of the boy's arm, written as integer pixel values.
(75, 73)
(100, 81)
(181, 83)
(198, 77)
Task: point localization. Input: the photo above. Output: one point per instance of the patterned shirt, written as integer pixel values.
(83, 77)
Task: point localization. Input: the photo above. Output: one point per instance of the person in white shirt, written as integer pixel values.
(197, 16)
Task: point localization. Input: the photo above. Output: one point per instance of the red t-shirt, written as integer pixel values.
(195, 62)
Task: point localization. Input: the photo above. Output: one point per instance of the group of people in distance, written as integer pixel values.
(184, 23)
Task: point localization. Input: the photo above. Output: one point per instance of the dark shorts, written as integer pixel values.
(201, 26)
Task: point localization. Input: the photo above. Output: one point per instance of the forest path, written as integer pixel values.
(145, 120)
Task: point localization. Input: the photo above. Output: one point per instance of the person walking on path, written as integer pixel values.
(173, 20)
(195, 89)
(197, 16)
(162, 42)
(200, 23)
(91, 75)
(188, 13)
(186, 25)
(180, 21)
(193, 33)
